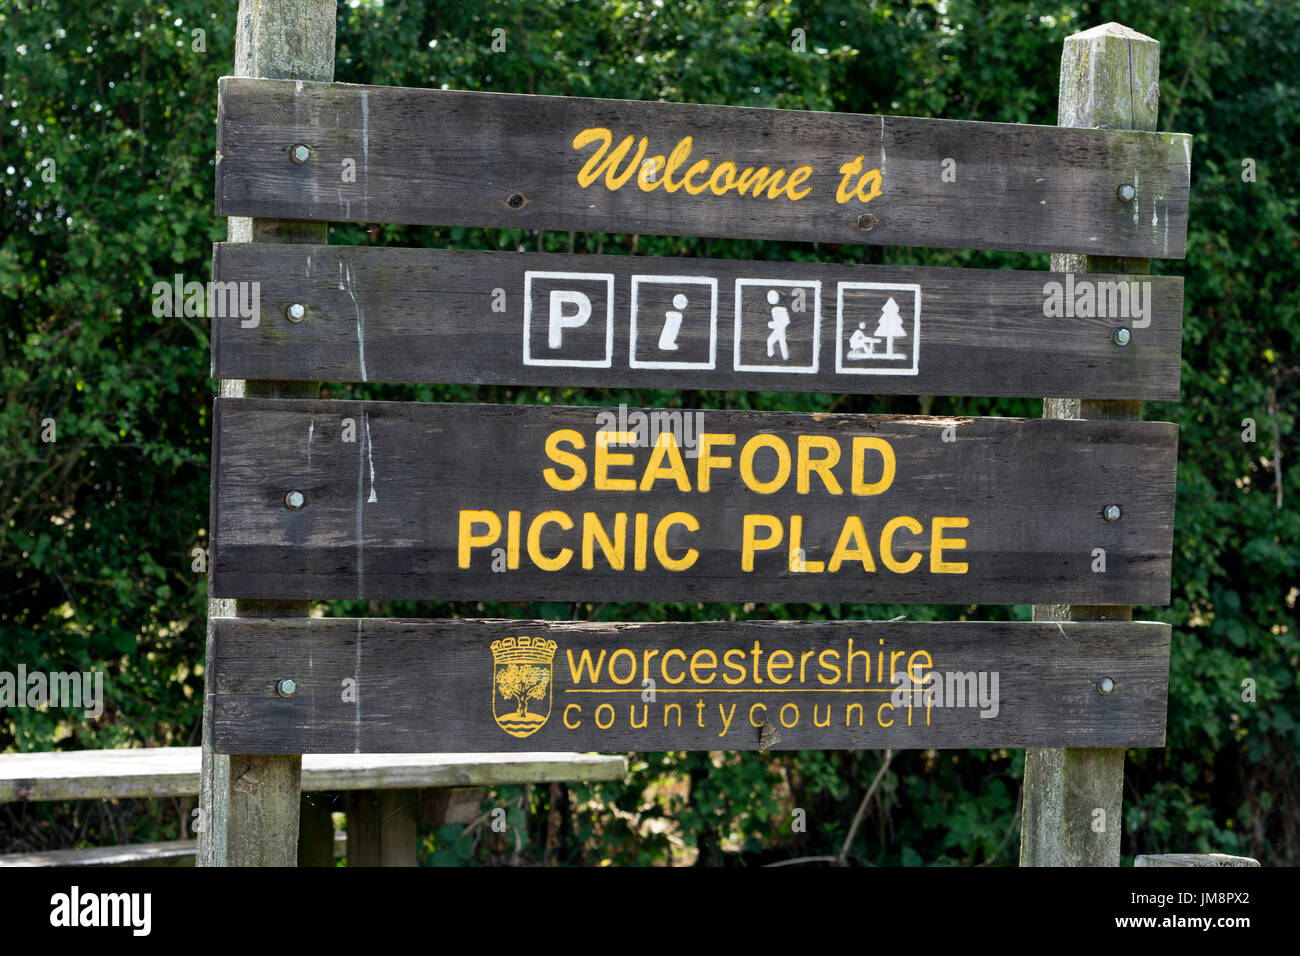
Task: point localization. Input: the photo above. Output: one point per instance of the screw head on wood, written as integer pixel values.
(1105, 685)
(295, 312)
(867, 222)
(299, 153)
(515, 201)
(286, 687)
(294, 500)
(1111, 513)
(1126, 192)
(1121, 336)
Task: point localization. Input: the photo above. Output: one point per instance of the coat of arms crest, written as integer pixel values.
(522, 671)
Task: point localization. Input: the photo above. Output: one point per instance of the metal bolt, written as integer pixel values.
(294, 500)
(1121, 336)
(1105, 685)
(286, 687)
(515, 201)
(295, 312)
(299, 153)
(1112, 513)
(1126, 193)
(867, 222)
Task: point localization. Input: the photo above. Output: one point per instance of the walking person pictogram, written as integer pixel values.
(780, 321)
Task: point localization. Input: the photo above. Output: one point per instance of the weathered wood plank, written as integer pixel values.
(442, 685)
(411, 500)
(425, 315)
(166, 853)
(174, 772)
(1193, 859)
(390, 154)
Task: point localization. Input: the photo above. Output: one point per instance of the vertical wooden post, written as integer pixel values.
(1110, 78)
(381, 827)
(250, 803)
(316, 829)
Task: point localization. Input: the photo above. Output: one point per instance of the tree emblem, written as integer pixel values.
(522, 683)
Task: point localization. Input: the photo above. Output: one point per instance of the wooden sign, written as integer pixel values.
(388, 154)
(417, 500)
(425, 315)
(375, 686)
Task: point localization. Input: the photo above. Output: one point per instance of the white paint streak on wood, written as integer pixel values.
(361, 324)
(882, 150)
(370, 455)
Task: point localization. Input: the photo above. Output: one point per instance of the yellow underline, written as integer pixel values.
(739, 690)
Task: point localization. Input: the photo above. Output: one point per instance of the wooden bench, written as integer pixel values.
(387, 795)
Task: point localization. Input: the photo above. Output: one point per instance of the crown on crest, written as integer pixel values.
(523, 650)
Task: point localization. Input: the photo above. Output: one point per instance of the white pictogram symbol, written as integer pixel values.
(569, 319)
(778, 325)
(890, 347)
(674, 322)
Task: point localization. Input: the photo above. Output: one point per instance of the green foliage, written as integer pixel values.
(96, 529)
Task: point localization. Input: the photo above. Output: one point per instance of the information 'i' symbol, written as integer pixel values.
(672, 324)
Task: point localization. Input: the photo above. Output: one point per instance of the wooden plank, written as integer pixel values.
(174, 772)
(408, 508)
(426, 315)
(396, 771)
(1193, 859)
(166, 853)
(442, 685)
(446, 157)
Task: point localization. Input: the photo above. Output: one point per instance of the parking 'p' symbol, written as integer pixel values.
(560, 320)
(568, 319)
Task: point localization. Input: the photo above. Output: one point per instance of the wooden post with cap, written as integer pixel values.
(1110, 79)
(249, 804)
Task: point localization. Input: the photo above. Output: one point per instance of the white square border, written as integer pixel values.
(912, 287)
(712, 283)
(608, 279)
(817, 327)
